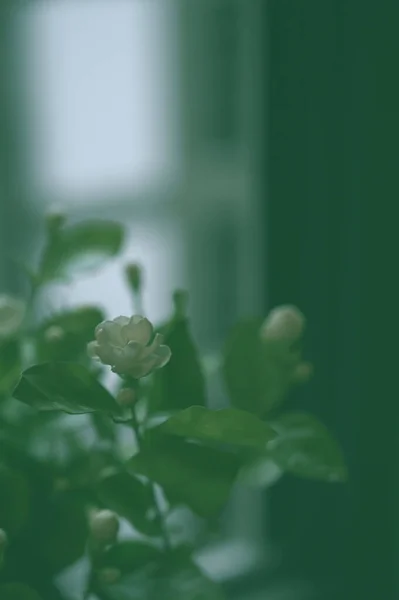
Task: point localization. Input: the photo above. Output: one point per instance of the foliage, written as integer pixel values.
(62, 459)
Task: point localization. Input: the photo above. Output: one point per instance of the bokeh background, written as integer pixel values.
(241, 142)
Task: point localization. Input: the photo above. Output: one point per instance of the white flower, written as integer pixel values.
(285, 323)
(12, 313)
(124, 345)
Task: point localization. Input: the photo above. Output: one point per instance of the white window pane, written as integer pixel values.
(102, 95)
(158, 247)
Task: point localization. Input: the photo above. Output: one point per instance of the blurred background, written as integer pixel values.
(237, 141)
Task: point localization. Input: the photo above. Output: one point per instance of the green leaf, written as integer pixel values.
(77, 329)
(129, 556)
(62, 535)
(181, 383)
(15, 501)
(130, 498)
(10, 365)
(227, 426)
(304, 447)
(191, 474)
(175, 578)
(257, 375)
(17, 591)
(86, 244)
(63, 386)
(260, 471)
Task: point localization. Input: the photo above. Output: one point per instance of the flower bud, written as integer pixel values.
(109, 575)
(104, 527)
(134, 277)
(53, 334)
(55, 219)
(284, 323)
(303, 372)
(126, 397)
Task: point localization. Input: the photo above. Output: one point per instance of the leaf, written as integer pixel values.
(130, 498)
(92, 241)
(10, 365)
(304, 447)
(260, 472)
(257, 376)
(191, 474)
(181, 383)
(15, 500)
(175, 578)
(129, 555)
(63, 386)
(76, 328)
(227, 426)
(62, 535)
(17, 591)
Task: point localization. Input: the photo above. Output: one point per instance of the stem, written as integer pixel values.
(159, 513)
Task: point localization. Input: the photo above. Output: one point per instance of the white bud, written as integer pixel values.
(109, 575)
(3, 541)
(55, 333)
(303, 372)
(284, 323)
(126, 397)
(104, 527)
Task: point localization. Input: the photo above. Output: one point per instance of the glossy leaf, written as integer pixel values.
(63, 386)
(130, 555)
(85, 245)
(227, 426)
(77, 327)
(15, 500)
(190, 474)
(181, 384)
(18, 591)
(257, 376)
(304, 447)
(130, 498)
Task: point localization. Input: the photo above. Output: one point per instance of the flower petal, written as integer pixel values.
(110, 331)
(137, 330)
(163, 355)
(153, 347)
(108, 354)
(121, 320)
(142, 368)
(92, 349)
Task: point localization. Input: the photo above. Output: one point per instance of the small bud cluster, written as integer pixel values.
(281, 332)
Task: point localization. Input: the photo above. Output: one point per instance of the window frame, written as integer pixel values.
(218, 180)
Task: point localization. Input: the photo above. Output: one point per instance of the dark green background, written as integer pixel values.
(332, 172)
